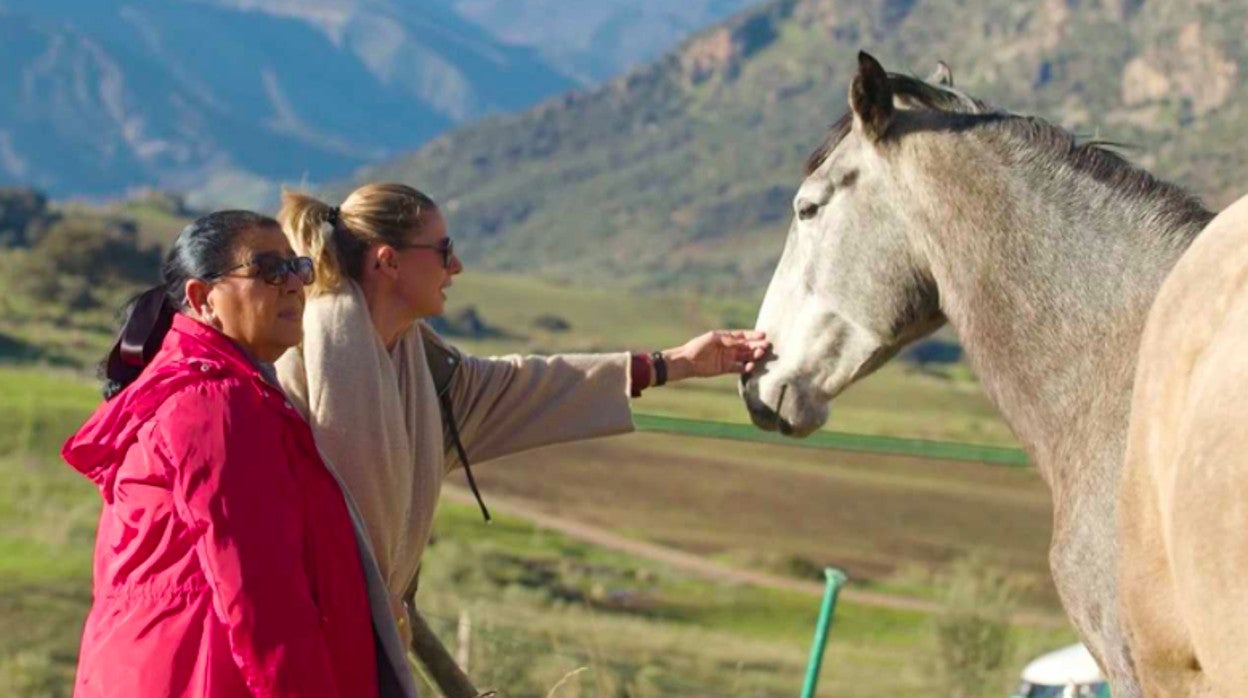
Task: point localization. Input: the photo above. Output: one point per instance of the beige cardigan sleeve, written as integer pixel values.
(509, 404)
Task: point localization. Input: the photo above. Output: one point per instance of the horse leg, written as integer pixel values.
(1082, 559)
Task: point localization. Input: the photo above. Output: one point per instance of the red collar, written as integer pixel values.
(191, 338)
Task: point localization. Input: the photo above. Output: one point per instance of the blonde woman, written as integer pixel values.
(394, 408)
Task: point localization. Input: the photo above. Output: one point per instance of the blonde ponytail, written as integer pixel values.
(337, 238)
(306, 221)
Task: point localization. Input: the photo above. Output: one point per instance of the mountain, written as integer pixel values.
(102, 95)
(682, 172)
(596, 40)
(228, 97)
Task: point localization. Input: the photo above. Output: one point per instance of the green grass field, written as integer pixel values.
(548, 610)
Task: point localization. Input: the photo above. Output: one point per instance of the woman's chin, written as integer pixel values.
(289, 338)
(437, 307)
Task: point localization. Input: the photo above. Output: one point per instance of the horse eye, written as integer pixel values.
(807, 210)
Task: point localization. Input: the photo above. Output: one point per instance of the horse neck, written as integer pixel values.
(1048, 280)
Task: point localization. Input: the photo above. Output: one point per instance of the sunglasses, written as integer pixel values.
(444, 247)
(275, 269)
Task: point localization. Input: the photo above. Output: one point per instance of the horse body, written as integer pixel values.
(925, 206)
(1183, 507)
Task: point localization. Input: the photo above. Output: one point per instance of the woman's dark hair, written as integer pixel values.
(203, 248)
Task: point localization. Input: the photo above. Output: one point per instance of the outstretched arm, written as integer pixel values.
(508, 404)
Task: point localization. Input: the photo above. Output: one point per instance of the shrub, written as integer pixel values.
(551, 323)
(78, 261)
(23, 212)
(973, 639)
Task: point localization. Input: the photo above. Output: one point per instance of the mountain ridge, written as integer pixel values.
(225, 98)
(680, 173)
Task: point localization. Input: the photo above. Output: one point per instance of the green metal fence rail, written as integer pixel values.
(840, 441)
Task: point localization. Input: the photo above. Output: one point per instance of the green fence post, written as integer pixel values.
(835, 579)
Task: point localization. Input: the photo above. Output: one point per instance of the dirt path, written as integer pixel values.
(709, 569)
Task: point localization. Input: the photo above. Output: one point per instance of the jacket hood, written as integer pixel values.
(191, 353)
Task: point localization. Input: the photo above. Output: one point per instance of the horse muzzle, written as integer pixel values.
(763, 415)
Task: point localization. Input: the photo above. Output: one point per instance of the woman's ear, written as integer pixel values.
(198, 300)
(384, 260)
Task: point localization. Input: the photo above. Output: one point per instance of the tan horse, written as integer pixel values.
(1183, 506)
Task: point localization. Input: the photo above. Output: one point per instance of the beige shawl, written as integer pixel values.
(375, 415)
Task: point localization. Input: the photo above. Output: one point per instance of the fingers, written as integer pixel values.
(722, 352)
(744, 355)
(747, 335)
(739, 339)
(751, 350)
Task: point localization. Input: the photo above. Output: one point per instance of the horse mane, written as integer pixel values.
(1034, 139)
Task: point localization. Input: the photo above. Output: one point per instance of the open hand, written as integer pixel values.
(716, 353)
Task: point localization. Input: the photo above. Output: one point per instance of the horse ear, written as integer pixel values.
(943, 76)
(871, 97)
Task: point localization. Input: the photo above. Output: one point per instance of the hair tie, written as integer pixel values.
(332, 217)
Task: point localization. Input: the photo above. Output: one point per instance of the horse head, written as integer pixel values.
(852, 286)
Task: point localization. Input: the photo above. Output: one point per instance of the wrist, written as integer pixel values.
(679, 365)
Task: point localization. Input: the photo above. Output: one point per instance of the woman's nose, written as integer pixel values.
(456, 265)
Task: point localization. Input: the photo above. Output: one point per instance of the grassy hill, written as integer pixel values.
(681, 173)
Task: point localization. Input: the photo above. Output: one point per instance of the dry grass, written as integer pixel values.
(887, 520)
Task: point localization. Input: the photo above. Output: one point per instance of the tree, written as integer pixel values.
(22, 212)
(79, 261)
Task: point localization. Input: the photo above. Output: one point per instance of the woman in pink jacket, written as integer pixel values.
(226, 562)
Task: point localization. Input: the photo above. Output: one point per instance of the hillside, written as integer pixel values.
(102, 95)
(594, 41)
(681, 173)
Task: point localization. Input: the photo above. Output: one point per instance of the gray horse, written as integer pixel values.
(925, 206)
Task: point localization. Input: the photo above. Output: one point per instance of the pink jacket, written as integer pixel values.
(225, 562)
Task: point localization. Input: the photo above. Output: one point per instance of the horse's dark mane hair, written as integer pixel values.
(1046, 140)
(1095, 159)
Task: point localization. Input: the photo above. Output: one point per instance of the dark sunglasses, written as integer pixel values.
(444, 247)
(274, 269)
